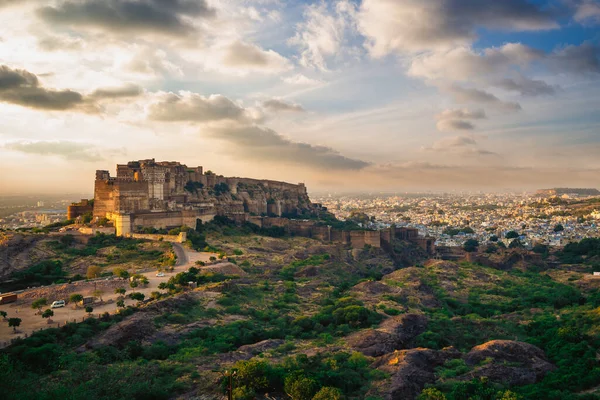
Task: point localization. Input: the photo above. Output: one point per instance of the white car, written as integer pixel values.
(160, 274)
(58, 304)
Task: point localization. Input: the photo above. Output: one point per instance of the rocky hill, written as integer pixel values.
(312, 320)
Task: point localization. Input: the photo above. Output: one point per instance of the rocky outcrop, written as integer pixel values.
(261, 347)
(508, 362)
(410, 370)
(394, 333)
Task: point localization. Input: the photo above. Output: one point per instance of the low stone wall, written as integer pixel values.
(94, 230)
(182, 237)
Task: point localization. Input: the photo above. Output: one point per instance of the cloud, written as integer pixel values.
(301, 80)
(472, 95)
(129, 16)
(23, 88)
(263, 144)
(280, 105)
(526, 87)
(454, 125)
(322, 33)
(60, 43)
(68, 150)
(417, 25)
(463, 63)
(241, 57)
(126, 91)
(192, 107)
(456, 120)
(151, 62)
(222, 119)
(582, 59)
(588, 12)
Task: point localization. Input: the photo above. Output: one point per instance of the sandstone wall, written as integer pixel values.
(180, 238)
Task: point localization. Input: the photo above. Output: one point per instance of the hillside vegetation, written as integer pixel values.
(308, 320)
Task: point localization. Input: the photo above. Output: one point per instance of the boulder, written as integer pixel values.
(394, 333)
(410, 371)
(508, 362)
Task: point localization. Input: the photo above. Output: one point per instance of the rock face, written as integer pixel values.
(394, 333)
(410, 370)
(508, 362)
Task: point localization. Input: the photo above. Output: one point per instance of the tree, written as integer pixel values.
(471, 245)
(67, 240)
(98, 293)
(87, 218)
(328, 393)
(120, 290)
(48, 313)
(137, 296)
(121, 303)
(134, 283)
(93, 271)
(431, 394)
(14, 322)
(121, 273)
(493, 238)
(75, 298)
(39, 303)
(559, 228)
(491, 248)
(155, 295)
(300, 388)
(3, 314)
(89, 310)
(511, 235)
(515, 244)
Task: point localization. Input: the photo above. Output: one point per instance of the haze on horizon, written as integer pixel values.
(346, 95)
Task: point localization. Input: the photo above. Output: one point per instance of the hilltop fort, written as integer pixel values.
(163, 195)
(147, 193)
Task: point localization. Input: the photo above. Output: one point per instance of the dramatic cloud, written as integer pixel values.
(417, 25)
(471, 95)
(322, 32)
(192, 107)
(263, 144)
(456, 120)
(583, 59)
(23, 88)
(151, 62)
(65, 149)
(463, 63)
(129, 16)
(60, 43)
(280, 105)
(588, 12)
(244, 57)
(224, 120)
(127, 91)
(526, 87)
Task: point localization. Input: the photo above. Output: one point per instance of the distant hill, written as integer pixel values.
(569, 191)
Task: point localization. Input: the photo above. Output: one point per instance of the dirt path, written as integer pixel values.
(32, 322)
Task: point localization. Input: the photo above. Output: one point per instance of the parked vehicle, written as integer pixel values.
(58, 304)
(8, 298)
(160, 274)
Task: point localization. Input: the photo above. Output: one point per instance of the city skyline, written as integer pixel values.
(342, 95)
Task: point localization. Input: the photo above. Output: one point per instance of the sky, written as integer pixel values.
(346, 95)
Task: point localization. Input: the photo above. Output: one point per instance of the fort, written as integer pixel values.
(167, 194)
(164, 195)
